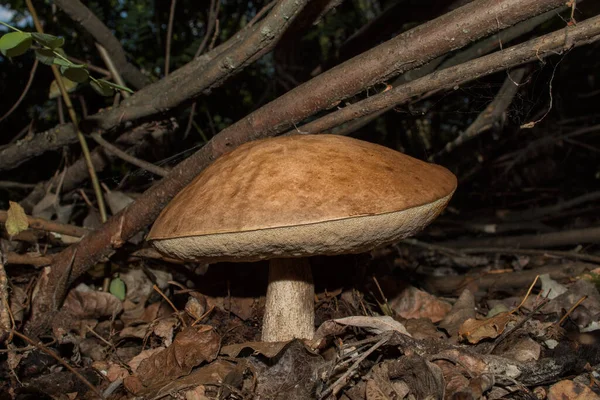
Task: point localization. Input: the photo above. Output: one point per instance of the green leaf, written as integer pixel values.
(16, 220)
(45, 56)
(50, 41)
(117, 288)
(55, 90)
(75, 73)
(102, 87)
(14, 44)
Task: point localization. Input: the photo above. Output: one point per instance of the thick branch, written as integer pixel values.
(532, 50)
(410, 49)
(86, 18)
(52, 139)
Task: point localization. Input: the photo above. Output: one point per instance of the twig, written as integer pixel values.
(341, 381)
(492, 113)
(25, 90)
(108, 61)
(563, 254)
(79, 13)
(169, 34)
(450, 77)
(553, 239)
(129, 158)
(23, 259)
(581, 300)
(16, 185)
(462, 252)
(157, 289)
(50, 226)
(46, 350)
(6, 322)
(519, 324)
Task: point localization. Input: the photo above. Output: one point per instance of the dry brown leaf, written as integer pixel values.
(164, 329)
(569, 390)
(191, 347)
(214, 374)
(135, 362)
(476, 330)
(462, 310)
(243, 307)
(415, 303)
(373, 392)
(16, 220)
(85, 303)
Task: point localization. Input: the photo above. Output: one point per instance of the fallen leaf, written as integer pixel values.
(476, 330)
(191, 347)
(569, 390)
(16, 221)
(462, 310)
(415, 303)
(85, 303)
(375, 325)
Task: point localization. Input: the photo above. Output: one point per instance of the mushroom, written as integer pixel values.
(288, 198)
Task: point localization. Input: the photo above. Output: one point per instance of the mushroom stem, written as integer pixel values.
(289, 310)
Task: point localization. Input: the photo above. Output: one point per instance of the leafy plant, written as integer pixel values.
(50, 52)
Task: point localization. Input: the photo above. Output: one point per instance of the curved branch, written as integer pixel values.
(79, 13)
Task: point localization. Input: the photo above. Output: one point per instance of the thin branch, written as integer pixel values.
(16, 185)
(137, 139)
(49, 352)
(84, 16)
(25, 90)
(24, 259)
(491, 114)
(169, 37)
(532, 50)
(114, 72)
(553, 239)
(49, 226)
(129, 158)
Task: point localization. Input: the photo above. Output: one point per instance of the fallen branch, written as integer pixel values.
(505, 281)
(554, 239)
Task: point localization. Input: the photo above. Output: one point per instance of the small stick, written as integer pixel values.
(50, 226)
(342, 379)
(571, 310)
(156, 288)
(128, 157)
(46, 350)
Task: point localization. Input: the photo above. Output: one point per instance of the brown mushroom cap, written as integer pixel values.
(299, 196)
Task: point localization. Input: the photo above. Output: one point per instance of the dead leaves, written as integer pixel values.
(191, 347)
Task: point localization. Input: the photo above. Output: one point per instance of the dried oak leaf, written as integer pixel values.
(191, 347)
(476, 330)
(85, 303)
